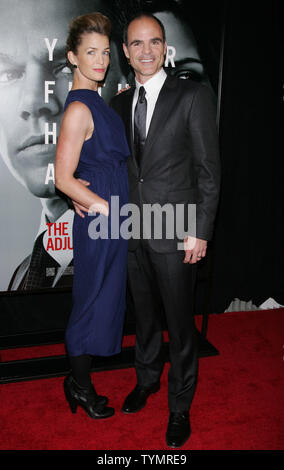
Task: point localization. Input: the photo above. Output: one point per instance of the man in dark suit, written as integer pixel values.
(171, 129)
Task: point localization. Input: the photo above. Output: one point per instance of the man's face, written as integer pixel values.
(24, 68)
(145, 49)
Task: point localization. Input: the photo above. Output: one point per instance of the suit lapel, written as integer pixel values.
(128, 97)
(128, 116)
(165, 101)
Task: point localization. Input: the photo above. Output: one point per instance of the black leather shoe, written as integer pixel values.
(87, 398)
(136, 400)
(178, 429)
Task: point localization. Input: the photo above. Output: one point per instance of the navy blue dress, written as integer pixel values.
(99, 287)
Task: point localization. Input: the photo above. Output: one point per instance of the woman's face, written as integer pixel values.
(91, 59)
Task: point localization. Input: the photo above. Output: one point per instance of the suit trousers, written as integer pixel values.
(161, 283)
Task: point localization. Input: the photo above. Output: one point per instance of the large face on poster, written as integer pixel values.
(36, 222)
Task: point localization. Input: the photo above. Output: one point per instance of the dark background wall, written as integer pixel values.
(248, 245)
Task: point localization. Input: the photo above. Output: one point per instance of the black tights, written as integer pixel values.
(81, 367)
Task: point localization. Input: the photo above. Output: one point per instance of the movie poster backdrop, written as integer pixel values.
(36, 248)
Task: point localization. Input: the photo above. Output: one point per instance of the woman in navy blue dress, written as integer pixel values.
(92, 146)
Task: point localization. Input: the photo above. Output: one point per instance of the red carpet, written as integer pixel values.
(237, 406)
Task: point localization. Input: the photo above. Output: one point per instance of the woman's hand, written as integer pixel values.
(101, 207)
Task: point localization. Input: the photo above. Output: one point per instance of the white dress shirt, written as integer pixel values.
(152, 87)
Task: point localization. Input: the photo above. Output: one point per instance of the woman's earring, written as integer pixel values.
(75, 66)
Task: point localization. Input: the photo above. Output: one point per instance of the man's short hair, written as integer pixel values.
(137, 16)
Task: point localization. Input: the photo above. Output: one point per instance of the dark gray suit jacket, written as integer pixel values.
(180, 162)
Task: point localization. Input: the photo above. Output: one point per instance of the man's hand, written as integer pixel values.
(123, 89)
(195, 249)
(78, 208)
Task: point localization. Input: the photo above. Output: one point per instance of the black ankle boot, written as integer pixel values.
(87, 398)
(100, 398)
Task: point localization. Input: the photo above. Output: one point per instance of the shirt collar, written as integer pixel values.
(154, 84)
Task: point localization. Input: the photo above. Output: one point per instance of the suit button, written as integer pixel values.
(141, 180)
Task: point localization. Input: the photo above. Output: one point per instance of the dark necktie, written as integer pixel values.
(140, 124)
